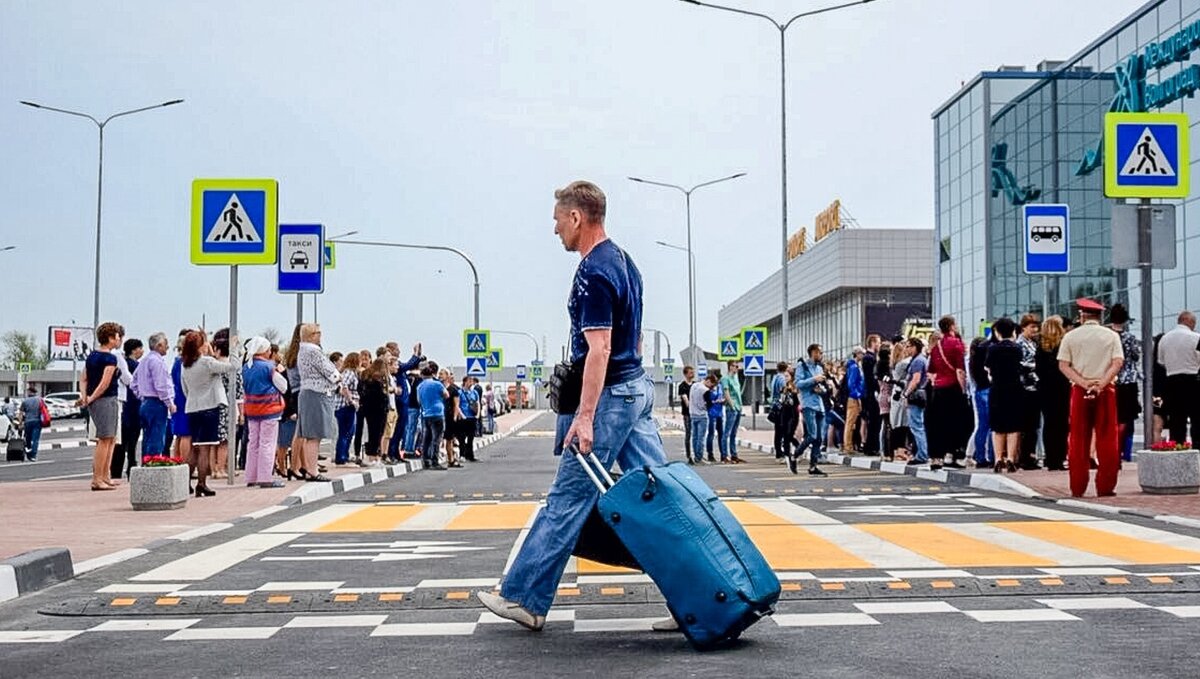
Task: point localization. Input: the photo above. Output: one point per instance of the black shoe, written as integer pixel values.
(792, 464)
(204, 491)
(816, 471)
(916, 463)
(1032, 466)
(935, 466)
(954, 465)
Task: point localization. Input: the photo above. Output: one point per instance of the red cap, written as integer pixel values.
(1086, 304)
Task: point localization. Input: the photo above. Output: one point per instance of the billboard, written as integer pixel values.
(68, 343)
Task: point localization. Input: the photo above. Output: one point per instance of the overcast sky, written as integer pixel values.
(452, 122)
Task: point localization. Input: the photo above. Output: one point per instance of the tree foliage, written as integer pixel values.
(18, 347)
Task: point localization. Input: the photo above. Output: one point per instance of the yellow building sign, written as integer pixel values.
(797, 244)
(829, 220)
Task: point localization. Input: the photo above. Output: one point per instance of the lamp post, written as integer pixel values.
(441, 248)
(537, 351)
(300, 296)
(691, 288)
(782, 28)
(100, 125)
(6, 248)
(658, 359)
(687, 194)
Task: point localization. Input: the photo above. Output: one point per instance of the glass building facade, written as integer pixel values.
(1012, 137)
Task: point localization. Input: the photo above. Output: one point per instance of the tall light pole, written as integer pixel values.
(100, 124)
(537, 351)
(691, 287)
(687, 194)
(441, 248)
(783, 192)
(6, 248)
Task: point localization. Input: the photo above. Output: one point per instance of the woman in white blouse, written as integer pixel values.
(319, 379)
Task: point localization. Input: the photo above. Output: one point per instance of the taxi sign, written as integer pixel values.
(1146, 155)
(234, 221)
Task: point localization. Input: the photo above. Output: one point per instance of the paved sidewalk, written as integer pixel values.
(93, 523)
(1049, 485)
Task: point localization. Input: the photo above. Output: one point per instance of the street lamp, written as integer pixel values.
(691, 287)
(687, 194)
(782, 27)
(6, 248)
(100, 124)
(442, 248)
(537, 351)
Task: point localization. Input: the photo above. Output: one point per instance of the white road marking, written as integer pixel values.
(313, 621)
(433, 517)
(489, 618)
(1022, 615)
(996, 535)
(136, 588)
(616, 624)
(33, 636)
(208, 562)
(794, 513)
(223, 633)
(1084, 571)
(1181, 611)
(424, 629)
(936, 573)
(325, 585)
(200, 532)
(314, 520)
(631, 579)
(151, 625)
(467, 582)
(110, 559)
(896, 607)
(823, 619)
(874, 550)
(1032, 511)
(1092, 603)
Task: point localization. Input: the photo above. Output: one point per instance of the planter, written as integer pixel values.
(155, 488)
(1169, 472)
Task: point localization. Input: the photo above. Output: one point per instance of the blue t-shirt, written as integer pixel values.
(607, 294)
(918, 366)
(468, 402)
(429, 394)
(96, 362)
(716, 401)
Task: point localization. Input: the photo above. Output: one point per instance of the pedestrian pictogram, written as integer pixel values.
(754, 340)
(24, 368)
(731, 348)
(477, 366)
(536, 371)
(754, 366)
(330, 256)
(495, 359)
(1146, 155)
(476, 342)
(234, 225)
(668, 368)
(1147, 158)
(234, 221)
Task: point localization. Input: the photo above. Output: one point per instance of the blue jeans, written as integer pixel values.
(916, 424)
(153, 416)
(625, 433)
(699, 425)
(837, 424)
(716, 425)
(814, 425)
(733, 419)
(347, 417)
(33, 437)
(435, 428)
(410, 429)
(984, 451)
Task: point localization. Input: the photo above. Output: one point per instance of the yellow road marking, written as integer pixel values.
(234, 600)
(509, 516)
(942, 584)
(1098, 541)
(1116, 581)
(791, 547)
(750, 514)
(123, 602)
(458, 596)
(949, 547)
(1051, 582)
(589, 567)
(612, 591)
(833, 586)
(377, 519)
(1160, 580)
(791, 587)
(1008, 583)
(899, 585)
(569, 591)
(166, 601)
(345, 598)
(279, 599)
(391, 596)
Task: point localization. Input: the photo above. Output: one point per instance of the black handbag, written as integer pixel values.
(566, 387)
(919, 397)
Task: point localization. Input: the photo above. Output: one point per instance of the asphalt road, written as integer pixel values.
(63, 454)
(883, 576)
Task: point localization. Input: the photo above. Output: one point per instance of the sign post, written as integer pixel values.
(1146, 156)
(234, 222)
(1047, 244)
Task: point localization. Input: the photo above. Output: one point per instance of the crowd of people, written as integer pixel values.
(1070, 389)
(285, 402)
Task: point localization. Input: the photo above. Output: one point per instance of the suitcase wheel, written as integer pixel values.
(647, 495)
(616, 517)
(689, 619)
(721, 596)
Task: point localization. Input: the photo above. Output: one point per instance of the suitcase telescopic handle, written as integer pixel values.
(594, 468)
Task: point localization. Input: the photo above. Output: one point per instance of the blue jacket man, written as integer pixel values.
(403, 412)
(854, 393)
(810, 381)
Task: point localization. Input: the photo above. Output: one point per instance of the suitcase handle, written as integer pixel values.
(589, 461)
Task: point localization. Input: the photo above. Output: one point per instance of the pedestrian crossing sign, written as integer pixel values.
(330, 255)
(476, 342)
(536, 370)
(495, 359)
(1146, 155)
(668, 368)
(731, 348)
(476, 366)
(754, 341)
(754, 366)
(234, 221)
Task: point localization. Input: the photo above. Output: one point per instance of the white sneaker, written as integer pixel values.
(666, 625)
(511, 611)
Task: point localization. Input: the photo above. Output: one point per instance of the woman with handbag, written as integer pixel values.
(1005, 398)
(947, 414)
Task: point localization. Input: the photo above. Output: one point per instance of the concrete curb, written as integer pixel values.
(309, 492)
(31, 571)
(954, 477)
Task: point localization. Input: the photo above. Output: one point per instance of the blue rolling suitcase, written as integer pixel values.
(714, 579)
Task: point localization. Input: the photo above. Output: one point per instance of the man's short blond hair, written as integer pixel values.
(585, 197)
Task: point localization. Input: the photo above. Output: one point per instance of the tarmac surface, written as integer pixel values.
(882, 575)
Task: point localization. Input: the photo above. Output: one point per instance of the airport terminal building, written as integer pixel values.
(1013, 136)
(846, 284)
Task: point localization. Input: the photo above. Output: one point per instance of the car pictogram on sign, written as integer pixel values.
(299, 258)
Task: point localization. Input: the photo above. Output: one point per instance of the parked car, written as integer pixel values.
(69, 400)
(60, 409)
(8, 429)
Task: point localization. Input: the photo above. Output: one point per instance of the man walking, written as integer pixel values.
(31, 416)
(1091, 357)
(685, 396)
(400, 438)
(810, 380)
(698, 420)
(1179, 352)
(153, 386)
(432, 397)
(854, 395)
(732, 386)
(870, 398)
(777, 384)
(614, 420)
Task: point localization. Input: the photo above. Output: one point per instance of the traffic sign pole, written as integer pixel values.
(1145, 260)
(235, 357)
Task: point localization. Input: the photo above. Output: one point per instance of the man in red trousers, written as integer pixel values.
(1091, 356)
